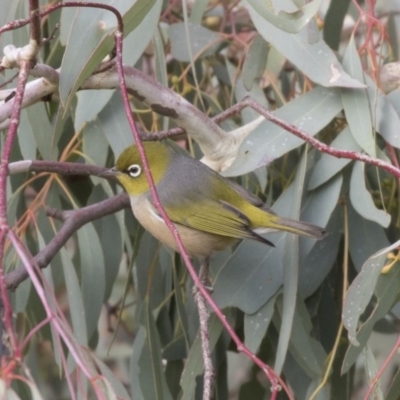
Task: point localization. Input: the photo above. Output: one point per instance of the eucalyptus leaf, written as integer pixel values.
(292, 21)
(88, 36)
(256, 325)
(254, 64)
(114, 125)
(328, 166)
(316, 60)
(356, 104)
(386, 292)
(203, 41)
(92, 275)
(291, 270)
(361, 290)
(386, 120)
(365, 238)
(361, 198)
(310, 112)
(75, 300)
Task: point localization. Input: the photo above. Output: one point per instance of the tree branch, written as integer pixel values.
(73, 220)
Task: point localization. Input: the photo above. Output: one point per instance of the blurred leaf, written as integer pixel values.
(361, 290)
(94, 143)
(114, 125)
(386, 292)
(292, 21)
(75, 299)
(291, 269)
(89, 32)
(90, 103)
(256, 325)
(333, 23)
(109, 232)
(317, 208)
(203, 42)
(310, 112)
(307, 351)
(316, 60)
(254, 64)
(386, 120)
(394, 389)
(328, 166)
(145, 22)
(179, 299)
(316, 265)
(361, 198)
(115, 383)
(365, 238)
(38, 123)
(148, 379)
(92, 275)
(371, 370)
(355, 103)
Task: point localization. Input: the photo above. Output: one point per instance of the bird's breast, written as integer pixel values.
(197, 243)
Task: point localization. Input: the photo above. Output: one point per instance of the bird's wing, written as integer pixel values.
(219, 218)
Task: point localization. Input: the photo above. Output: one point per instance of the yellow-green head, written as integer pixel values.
(132, 175)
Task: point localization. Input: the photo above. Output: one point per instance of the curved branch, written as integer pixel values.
(73, 220)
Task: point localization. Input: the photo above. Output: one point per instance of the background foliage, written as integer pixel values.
(129, 301)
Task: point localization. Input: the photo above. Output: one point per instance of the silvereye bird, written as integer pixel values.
(209, 211)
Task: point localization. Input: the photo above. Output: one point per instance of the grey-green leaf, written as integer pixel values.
(356, 104)
(315, 60)
(361, 198)
(310, 112)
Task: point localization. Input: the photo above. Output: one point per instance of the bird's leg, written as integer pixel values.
(204, 316)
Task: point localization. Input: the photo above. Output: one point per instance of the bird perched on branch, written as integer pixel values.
(209, 211)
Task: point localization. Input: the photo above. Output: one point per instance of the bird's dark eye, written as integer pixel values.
(134, 170)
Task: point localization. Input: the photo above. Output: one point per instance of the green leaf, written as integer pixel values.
(316, 60)
(361, 198)
(38, 122)
(292, 21)
(75, 299)
(92, 275)
(328, 166)
(88, 36)
(256, 325)
(146, 362)
(254, 64)
(291, 269)
(114, 125)
(310, 112)
(203, 42)
(307, 351)
(361, 290)
(316, 265)
(90, 103)
(386, 292)
(386, 120)
(365, 238)
(356, 104)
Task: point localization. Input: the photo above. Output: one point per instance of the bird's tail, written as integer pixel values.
(297, 227)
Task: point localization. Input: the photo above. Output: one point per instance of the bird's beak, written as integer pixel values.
(110, 172)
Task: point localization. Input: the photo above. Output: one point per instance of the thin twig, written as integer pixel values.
(204, 316)
(4, 228)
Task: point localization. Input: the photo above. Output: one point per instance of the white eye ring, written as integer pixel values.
(134, 170)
